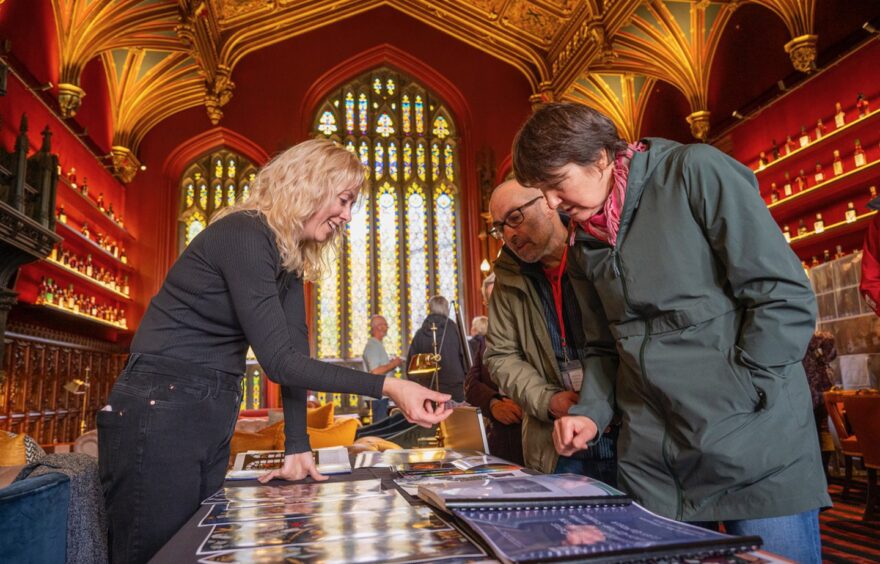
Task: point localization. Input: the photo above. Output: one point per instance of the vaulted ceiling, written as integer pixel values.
(164, 56)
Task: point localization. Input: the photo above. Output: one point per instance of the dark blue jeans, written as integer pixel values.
(163, 448)
(793, 536)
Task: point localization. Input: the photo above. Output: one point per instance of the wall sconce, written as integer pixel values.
(485, 267)
(870, 28)
(737, 115)
(79, 387)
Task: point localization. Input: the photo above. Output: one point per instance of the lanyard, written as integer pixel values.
(556, 289)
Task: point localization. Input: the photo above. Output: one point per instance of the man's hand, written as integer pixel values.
(506, 411)
(296, 467)
(419, 404)
(395, 362)
(572, 433)
(561, 401)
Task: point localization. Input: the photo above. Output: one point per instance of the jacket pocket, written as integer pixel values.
(766, 382)
(744, 378)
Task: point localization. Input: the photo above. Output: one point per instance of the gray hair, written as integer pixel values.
(438, 304)
(480, 325)
(375, 318)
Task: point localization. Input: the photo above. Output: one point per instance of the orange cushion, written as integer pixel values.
(12, 449)
(264, 439)
(339, 434)
(375, 443)
(320, 417)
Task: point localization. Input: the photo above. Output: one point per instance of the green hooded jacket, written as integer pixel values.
(696, 323)
(520, 359)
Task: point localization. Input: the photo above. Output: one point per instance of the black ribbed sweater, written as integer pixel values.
(227, 290)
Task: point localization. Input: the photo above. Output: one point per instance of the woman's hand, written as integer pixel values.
(572, 433)
(419, 404)
(296, 467)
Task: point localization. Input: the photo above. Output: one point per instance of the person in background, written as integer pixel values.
(164, 435)
(821, 352)
(870, 282)
(535, 331)
(504, 415)
(697, 315)
(452, 362)
(479, 326)
(377, 361)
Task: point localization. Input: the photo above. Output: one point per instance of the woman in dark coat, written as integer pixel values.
(696, 318)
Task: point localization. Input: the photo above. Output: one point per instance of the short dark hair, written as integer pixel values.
(558, 134)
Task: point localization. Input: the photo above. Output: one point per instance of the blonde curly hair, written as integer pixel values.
(291, 188)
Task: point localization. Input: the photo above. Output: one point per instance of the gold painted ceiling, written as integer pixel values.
(165, 56)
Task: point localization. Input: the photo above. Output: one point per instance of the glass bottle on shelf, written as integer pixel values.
(775, 150)
(110, 212)
(90, 269)
(62, 215)
(837, 164)
(819, 175)
(101, 201)
(85, 230)
(85, 186)
(820, 129)
(71, 177)
(786, 188)
(122, 256)
(826, 256)
(838, 253)
(814, 262)
(872, 191)
(49, 295)
(804, 139)
(859, 154)
(802, 228)
(862, 105)
(790, 145)
(786, 232)
(801, 181)
(819, 224)
(126, 289)
(850, 213)
(762, 160)
(774, 193)
(839, 116)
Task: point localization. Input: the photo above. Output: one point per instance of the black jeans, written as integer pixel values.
(163, 448)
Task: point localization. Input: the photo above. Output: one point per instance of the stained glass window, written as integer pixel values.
(195, 196)
(441, 127)
(328, 123)
(402, 243)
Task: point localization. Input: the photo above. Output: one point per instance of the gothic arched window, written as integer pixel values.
(212, 182)
(402, 244)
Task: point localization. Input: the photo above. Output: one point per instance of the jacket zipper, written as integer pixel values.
(617, 273)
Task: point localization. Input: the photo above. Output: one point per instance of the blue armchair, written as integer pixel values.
(33, 512)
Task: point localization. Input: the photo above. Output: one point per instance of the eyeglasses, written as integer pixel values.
(513, 219)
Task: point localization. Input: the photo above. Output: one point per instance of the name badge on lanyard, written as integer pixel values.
(572, 375)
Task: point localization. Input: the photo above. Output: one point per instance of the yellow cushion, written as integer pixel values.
(264, 439)
(12, 450)
(320, 417)
(375, 443)
(340, 433)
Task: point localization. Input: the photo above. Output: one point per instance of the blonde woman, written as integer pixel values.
(164, 434)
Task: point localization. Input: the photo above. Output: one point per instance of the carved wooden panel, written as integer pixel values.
(38, 363)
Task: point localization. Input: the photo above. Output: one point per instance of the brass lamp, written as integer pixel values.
(79, 387)
(427, 363)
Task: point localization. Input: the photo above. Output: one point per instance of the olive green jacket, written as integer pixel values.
(696, 323)
(520, 359)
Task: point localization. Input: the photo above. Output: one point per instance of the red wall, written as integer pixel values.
(267, 108)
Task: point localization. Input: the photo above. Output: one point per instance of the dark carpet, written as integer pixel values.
(845, 536)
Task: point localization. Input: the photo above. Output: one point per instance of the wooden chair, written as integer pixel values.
(863, 412)
(849, 445)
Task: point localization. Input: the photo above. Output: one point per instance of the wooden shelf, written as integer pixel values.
(82, 316)
(70, 231)
(92, 212)
(814, 144)
(837, 185)
(835, 230)
(93, 282)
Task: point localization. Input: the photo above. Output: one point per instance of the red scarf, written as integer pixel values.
(605, 224)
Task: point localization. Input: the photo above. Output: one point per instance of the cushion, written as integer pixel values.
(340, 433)
(264, 439)
(375, 443)
(320, 417)
(12, 449)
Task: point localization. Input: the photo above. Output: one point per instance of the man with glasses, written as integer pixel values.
(535, 330)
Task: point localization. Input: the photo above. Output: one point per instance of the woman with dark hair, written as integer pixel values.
(696, 316)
